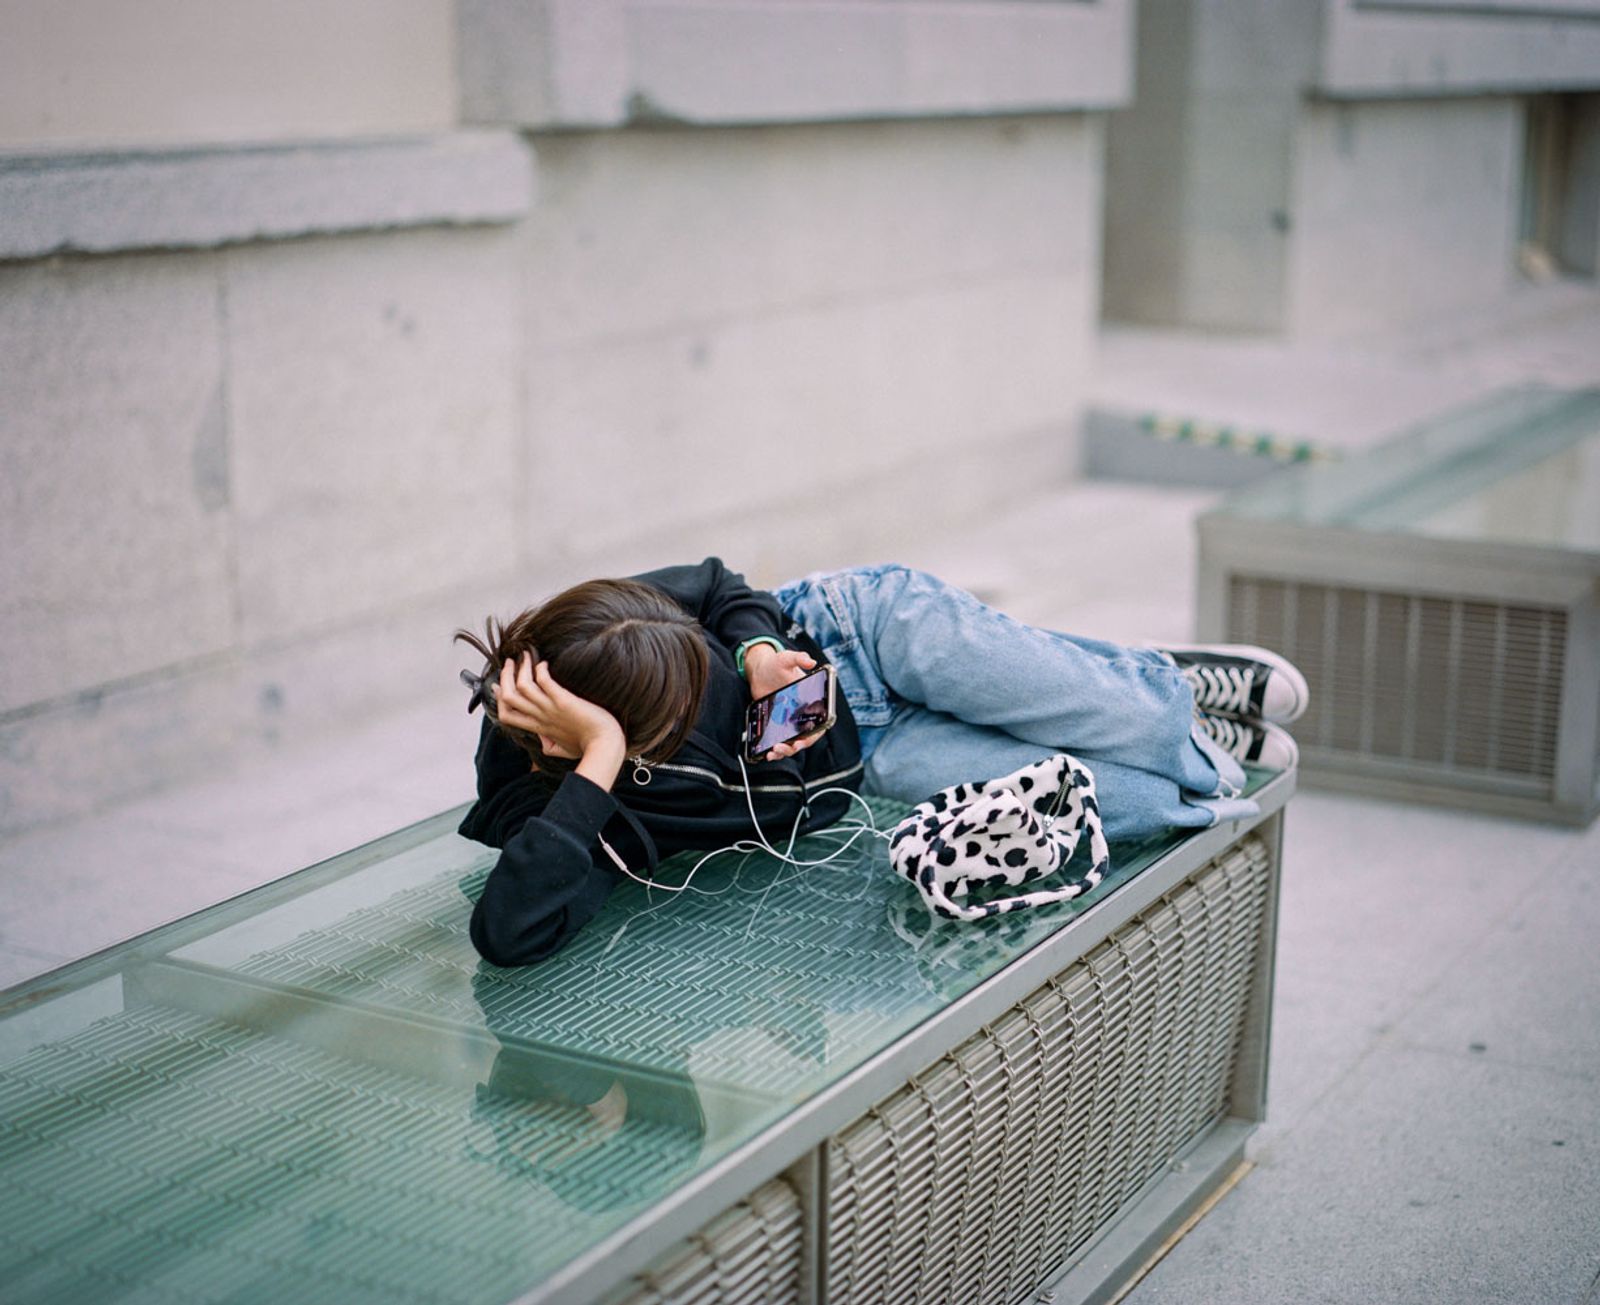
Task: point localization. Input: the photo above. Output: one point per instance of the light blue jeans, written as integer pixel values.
(946, 690)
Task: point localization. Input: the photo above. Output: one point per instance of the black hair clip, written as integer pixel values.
(482, 687)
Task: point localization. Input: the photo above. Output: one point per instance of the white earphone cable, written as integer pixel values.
(760, 843)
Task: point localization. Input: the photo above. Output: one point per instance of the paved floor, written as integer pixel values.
(1434, 1114)
(1434, 1122)
(1434, 1111)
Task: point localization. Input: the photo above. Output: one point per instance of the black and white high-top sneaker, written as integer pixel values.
(1256, 742)
(1242, 681)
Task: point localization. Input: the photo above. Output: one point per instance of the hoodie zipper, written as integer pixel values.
(681, 769)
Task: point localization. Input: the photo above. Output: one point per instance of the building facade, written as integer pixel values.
(327, 328)
(1320, 169)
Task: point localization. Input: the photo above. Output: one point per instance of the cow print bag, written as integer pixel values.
(1019, 829)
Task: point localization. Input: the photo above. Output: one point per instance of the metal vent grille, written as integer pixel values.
(1444, 685)
(750, 1253)
(1013, 1151)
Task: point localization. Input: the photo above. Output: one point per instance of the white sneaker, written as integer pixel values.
(1242, 681)
(1257, 743)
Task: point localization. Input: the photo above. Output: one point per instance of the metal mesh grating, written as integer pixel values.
(1046, 1125)
(649, 976)
(164, 1156)
(820, 960)
(750, 1253)
(1446, 685)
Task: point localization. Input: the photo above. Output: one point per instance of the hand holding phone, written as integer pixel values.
(767, 668)
(796, 711)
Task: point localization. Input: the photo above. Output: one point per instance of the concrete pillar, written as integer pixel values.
(1200, 167)
(1579, 234)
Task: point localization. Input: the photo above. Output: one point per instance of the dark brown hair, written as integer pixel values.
(618, 643)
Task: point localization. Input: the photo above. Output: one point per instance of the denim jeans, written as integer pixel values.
(946, 690)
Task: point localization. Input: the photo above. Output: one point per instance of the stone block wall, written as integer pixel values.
(803, 339)
(242, 486)
(281, 404)
(1199, 167)
(106, 74)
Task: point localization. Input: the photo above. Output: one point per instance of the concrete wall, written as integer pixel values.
(275, 418)
(1316, 167)
(1578, 240)
(1147, 172)
(797, 339)
(1404, 211)
(214, 468)
(106, 72)
(1199, 168)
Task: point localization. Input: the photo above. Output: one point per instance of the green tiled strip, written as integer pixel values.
(1236, 439)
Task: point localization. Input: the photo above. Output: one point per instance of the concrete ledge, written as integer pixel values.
(110, 203)
(1382, 48)
(605, 63)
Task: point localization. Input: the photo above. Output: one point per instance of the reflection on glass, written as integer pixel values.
(599, 1136)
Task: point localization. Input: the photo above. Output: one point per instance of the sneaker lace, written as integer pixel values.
(1221, 688)
(1233, 738)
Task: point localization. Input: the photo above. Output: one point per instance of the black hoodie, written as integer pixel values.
(553, 873)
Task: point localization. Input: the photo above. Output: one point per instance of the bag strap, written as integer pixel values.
(1077, 779)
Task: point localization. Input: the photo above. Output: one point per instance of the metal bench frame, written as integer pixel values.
(796, 1148)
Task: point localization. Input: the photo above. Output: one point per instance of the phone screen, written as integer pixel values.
(804, 707)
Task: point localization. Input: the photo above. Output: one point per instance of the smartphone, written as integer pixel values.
(794, 711)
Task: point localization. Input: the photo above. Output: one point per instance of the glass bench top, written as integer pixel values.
(1522, 467)
(318, 1091)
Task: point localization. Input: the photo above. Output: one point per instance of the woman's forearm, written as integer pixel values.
(602, 760)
